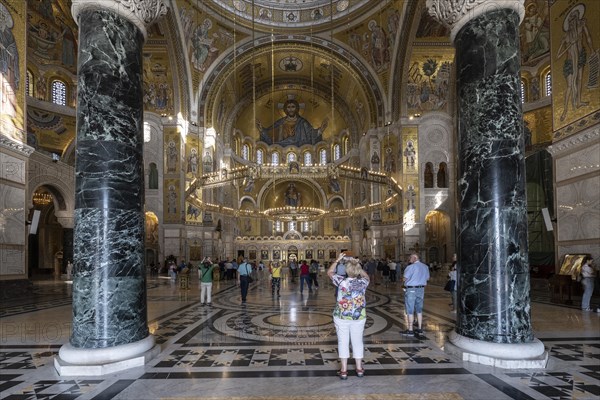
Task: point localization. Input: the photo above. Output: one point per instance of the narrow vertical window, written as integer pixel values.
(428, 175)
(291, 157)
(275, 158)
(306, 226)
(442, 176)
(245, 152)
(548, 80)
(323, 157)
(307, 158)
(337, 152)
(259, 156)
(522, 92)
(59, 93)
(29, 86)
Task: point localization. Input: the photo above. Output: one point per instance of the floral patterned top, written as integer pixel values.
(351, 299)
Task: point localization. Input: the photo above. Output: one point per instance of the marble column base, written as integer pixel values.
(501, 355)
(72, 361)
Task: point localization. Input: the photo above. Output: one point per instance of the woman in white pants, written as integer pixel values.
(350, 313)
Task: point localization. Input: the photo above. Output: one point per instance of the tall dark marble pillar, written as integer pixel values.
(493, 264)
(109, 287)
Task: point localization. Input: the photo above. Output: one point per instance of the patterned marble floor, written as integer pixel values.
(285, 348)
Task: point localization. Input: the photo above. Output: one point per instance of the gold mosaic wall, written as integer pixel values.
(12, 81)
(575, 65)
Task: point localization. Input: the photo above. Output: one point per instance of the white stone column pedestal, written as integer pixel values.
(72, 361)
(502, 355)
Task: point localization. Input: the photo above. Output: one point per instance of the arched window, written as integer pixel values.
(428, 175)
(29, 86)
(307, 158)
(442, 176)
(245, 152)
(522, 91)
(323, 157)
(59, 92)
(275, 158)
(259, 156)
(291, 156)
(548, 81)
(278, 226)
(153, 177)
(337, 152)
(346, 145)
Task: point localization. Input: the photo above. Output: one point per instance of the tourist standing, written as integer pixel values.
(243, 278)
(350, 312)
(392, 265)
(305, 276)
(588, 275)
(205, 273)
(415, 278)
(275, 270)
(313, 270)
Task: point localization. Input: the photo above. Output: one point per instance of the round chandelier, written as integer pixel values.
(291, 213)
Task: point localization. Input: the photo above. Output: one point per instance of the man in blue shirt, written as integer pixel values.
(244, 270)
(415, 279)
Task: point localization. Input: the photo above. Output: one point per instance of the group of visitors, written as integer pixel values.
(381, 271)
(174, 269)
(351, 278)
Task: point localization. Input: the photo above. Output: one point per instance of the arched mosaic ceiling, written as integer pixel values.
(343, 58)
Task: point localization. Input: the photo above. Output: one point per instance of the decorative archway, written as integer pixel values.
(438, 237)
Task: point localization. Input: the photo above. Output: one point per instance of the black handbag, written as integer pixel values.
(450, 285)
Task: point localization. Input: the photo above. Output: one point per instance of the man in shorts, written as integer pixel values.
(415, 279)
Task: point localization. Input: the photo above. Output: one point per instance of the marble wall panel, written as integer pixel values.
(12, 168)
(578, 206)
(12, 260)
(582, 162)
(12, 215)
(172, 247)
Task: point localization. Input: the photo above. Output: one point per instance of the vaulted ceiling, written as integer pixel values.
(228, 63)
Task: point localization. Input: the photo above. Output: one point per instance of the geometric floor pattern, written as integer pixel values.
(286, 348)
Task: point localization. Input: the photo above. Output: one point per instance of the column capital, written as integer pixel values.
(142, 13)
(456, 14)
